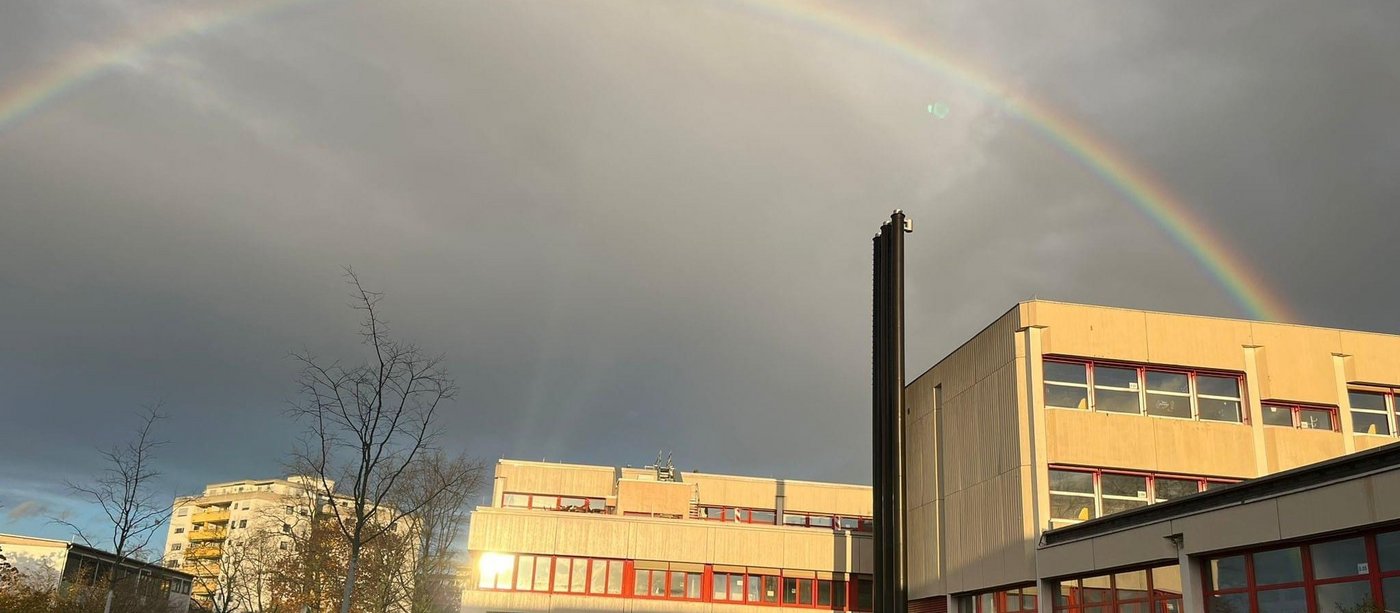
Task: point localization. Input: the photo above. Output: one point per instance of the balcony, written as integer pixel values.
(213, 516)
(208, 534)
(204, 552)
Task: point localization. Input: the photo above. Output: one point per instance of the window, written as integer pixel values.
(177, 547)
(242, 523)
(1066, 385)
(828, 522)
(179, 531)
(1143, 390)
(1018, 600)
(1333, 576)
(1299, 416)
(1130, 591)
(670, 584)
(573, 504)
(1078, 494)
(1371, 412)
(739, 515)
(183, 512)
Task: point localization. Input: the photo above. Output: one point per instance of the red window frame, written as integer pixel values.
(1002, 600)
(1392, 406)
(863, 524)
(1152, 599)
(1296, 408)
(1142, 369)
(666, 578)
(1202, 483)
(738, 515)
(590, 504)
(551, 562)
(1374, 576)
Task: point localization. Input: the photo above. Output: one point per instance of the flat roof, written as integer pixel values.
(19, 539)
(1344, 468)
(683, 473)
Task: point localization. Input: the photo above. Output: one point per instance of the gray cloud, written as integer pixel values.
(641, 225)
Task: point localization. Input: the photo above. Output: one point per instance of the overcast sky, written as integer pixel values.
(639, 225)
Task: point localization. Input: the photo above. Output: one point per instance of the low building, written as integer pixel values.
(566, 537)
(1057, 417)
(67, 566)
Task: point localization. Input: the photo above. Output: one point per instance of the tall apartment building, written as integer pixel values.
(1080, 459)
(222, 525)
(564, 537)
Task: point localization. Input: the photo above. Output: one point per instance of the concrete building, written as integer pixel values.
(1075, 451)
(564, 537)
(67, 566)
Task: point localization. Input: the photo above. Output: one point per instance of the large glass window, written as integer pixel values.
(1299, 416)
(1071, 496)
(1159, 392)
(1123, 492)
(1334, 576)
(1370, 412)
(1077, 494)
(1156, 590)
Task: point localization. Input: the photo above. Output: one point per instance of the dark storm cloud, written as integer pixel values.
(639, 226)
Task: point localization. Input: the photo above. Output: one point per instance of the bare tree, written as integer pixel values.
(124, 493)
(366, 425)
(447, 484)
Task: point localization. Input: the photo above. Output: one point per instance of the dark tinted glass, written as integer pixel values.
(1071, 481)
(1111, 376)
(1226, 573)
(1278, 566)
(1344, 558)
(1367, 400)
(1170, 489)
(1211, 385)
(1168, 382)
(1067, 373)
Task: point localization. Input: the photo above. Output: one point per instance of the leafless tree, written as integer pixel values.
(124, 492)
(440, 487)
(366, 426)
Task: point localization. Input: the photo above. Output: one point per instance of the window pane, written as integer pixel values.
(573, 504)
(864, 590)
(1388, 545)
(1278, 416)
(1370, 423)
(614, 577)
(1116, 401)
(1095, 589)
(823, 592)
(789, 590)
(754, 588)
(677, 584)
(1291, 600)
(580, 577)
(736, 588)
(770, 588)
(1124, 485)
(1391, 590)
(1065, 373)
(1171, 489)
(1163, 405)
(720, 587)
(516, 500)
(1208, 385)
(1315, 419)
(543, 502)
(1279, 566)
(1133, 607)
(1227, 573)
(639, 582)
(1168, 382)
(1367, 400)
(1114, 505)
(804, 591)
(1166, 581)
(1108, 376)
(1228, 603)
(715, 513)
(794, 520)
(561, 574)
(598, 579)
(1065, 397)
(838, 594)
(1072, 507)
(1219, 410)
(1071, 481)
(1344, 597)
(692, 586)
(1131, 585)
(763, 517)
(820, 522)
(542, 574)
(525, 573)
(658, 583)
(1343, 558)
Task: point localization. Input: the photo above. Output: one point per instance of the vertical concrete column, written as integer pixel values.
(1255, 408)
(498, 492)
(780, 503)
(1193, 595)
(1045, 602)
(1033, 409)
(1339, 368)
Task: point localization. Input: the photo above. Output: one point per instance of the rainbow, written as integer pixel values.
(1141, 190)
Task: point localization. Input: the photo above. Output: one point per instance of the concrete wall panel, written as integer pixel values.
(1290, 447)
(1296, 362)
(1346, 505)
(1197, 342)
(1240, 526)
(1092, 332)
(1375, 358)
(556, 479)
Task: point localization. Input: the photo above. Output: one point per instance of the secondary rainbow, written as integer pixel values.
(1139, 188)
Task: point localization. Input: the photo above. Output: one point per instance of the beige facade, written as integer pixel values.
(69, 566)
(562, 537)
(1118, 408)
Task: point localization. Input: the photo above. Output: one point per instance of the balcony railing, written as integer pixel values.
(203, 552)
(217, 516)
(208, 534)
